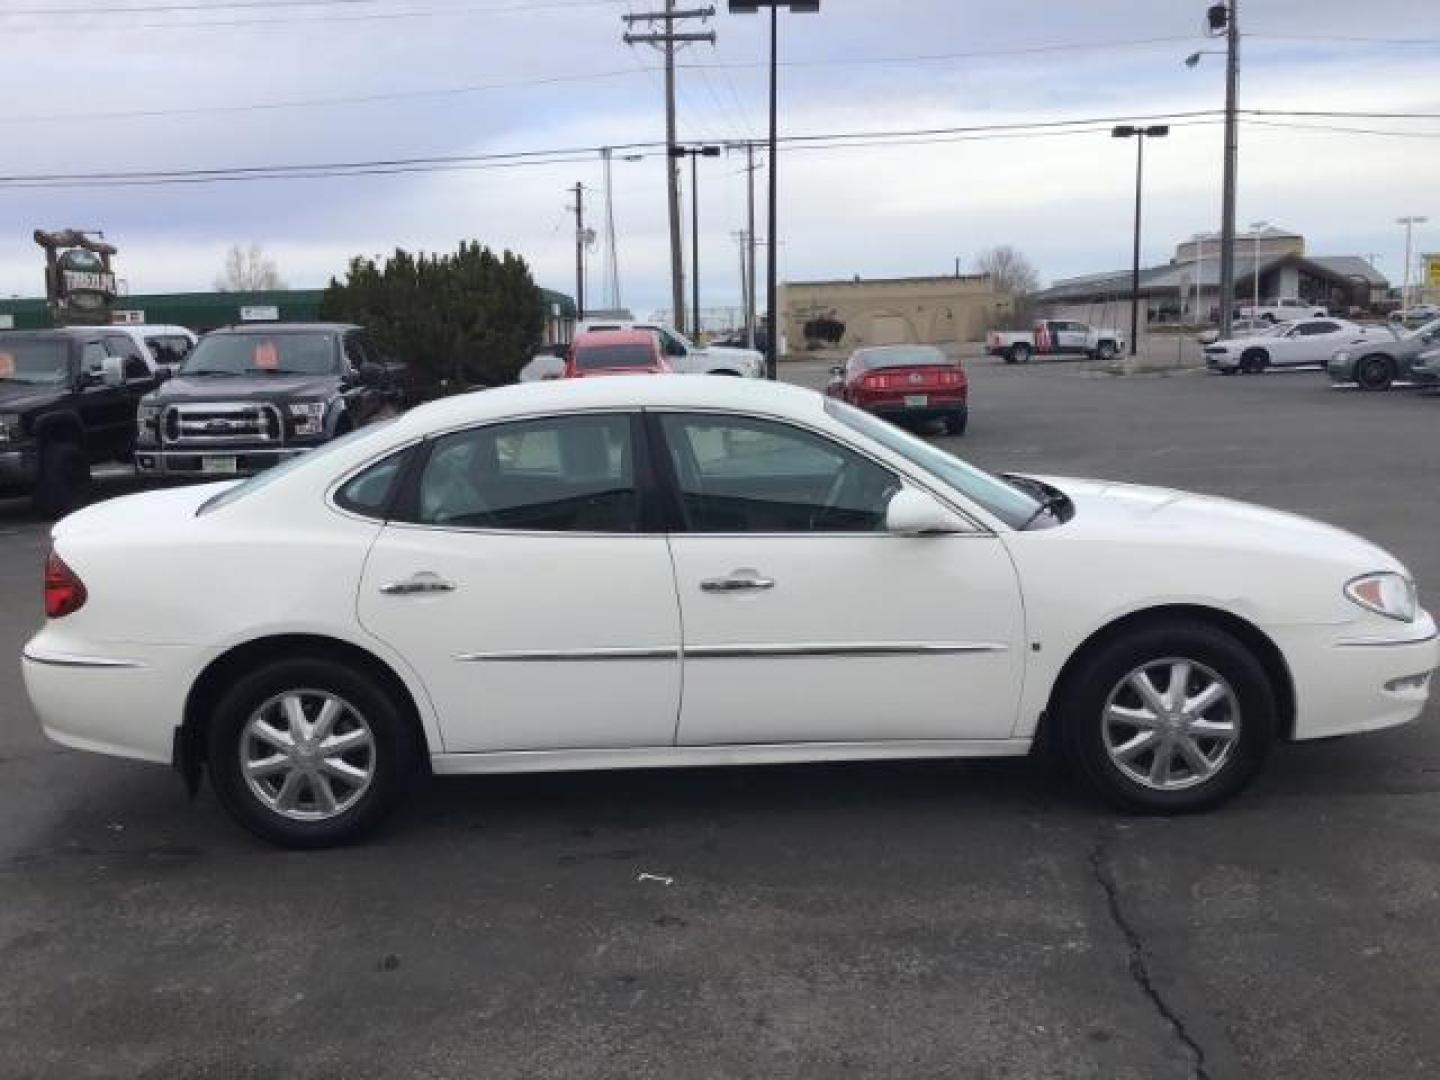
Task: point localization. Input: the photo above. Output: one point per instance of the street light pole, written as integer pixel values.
(1256, 227)
(694, 153)
(1139, 134)
(1409, 223)
(752, 7)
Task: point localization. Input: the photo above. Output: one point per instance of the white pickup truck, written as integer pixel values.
(685, 356)
(1284, 310)
(1055, 337)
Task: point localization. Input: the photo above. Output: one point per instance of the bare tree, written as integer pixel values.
(248, 270)
(1011, 272)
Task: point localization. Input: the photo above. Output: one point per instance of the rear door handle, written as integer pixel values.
(737, 581)
(423, 582)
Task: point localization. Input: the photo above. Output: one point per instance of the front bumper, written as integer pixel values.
(1222, 361)
(211, 461)
(1341, 371)
(1349, 681)
(19, 469)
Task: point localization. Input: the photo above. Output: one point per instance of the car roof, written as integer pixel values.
(613, 337)
(666, 391)
(285, 328)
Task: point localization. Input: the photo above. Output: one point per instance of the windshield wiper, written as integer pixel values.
(210, 371)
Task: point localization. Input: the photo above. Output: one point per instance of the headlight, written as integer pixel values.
(9, 427)
(1385, 593)
(309, 417)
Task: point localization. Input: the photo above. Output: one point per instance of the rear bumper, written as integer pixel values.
(155, 462)
(121, 702)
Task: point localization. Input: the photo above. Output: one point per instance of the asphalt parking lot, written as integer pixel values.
(887, 920)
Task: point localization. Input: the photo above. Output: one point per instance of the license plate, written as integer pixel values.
(224, 466)
(917, 401)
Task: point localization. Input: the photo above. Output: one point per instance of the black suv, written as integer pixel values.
(248, 397)
(67, 400)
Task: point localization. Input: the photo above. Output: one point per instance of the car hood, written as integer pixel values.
(1106, 507)
(718, 351)
(20, 397)
(244, 388)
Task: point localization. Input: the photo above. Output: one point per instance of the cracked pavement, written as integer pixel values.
(973, 919)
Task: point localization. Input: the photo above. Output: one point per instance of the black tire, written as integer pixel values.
(1254, 361)
(64, 480)
(390, 762)
(731, 374)
(1019, 354)
(1079, 704)
(1105, 351)
(1375, 372)
(956, 423)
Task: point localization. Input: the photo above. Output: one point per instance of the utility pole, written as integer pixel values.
(579, 192)
(612, 258)
(742, 241)
(750, 245)
(1227, 17)
(666, 42)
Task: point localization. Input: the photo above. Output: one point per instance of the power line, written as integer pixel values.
(321, 17)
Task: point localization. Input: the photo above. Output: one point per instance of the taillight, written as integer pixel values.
(64, 591)
(875, 382)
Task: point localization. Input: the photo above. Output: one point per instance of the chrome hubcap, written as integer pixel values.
(307, 755)
(1171, 724)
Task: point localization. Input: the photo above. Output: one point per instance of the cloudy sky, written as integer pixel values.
(89, 86)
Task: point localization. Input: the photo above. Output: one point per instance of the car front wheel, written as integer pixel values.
(307, 753)
(1167, 719)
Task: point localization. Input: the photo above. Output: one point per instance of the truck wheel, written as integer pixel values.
(64, 480)
(1105, 351)
(1019, 354)
(1376, 372)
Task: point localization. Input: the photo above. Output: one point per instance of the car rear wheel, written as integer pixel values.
(1167, 719)
(307, 753)
(1105, 352)
(1019, 354)
(64, 480)
(1376, 372)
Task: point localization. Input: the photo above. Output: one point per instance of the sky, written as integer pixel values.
(89, 86)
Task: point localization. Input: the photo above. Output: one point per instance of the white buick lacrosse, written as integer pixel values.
(670, 571)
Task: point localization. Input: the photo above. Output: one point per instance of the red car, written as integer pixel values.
(615, 352)
(905, 382)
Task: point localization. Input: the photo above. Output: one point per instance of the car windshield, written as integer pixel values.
(37, 362)
(260, 353)
(598, 357)
(1006, 501)
(261, 480)
(917, 356)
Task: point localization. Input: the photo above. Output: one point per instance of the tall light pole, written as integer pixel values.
(1139, 134)
(752, 7)
(1199, 241)
(694, 153)
(1224, 18)
(1409, 223)
(1256, 228)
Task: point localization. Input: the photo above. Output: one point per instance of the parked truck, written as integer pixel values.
(1055, 337)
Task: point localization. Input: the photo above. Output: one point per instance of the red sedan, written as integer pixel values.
(905, 382)
(615, 352)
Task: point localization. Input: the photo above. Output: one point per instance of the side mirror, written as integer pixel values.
(837, 370)
(109, 372)
(913, 512)
(162, 374)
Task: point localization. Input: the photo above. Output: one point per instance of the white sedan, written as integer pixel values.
(1293, 344)
(618, 573)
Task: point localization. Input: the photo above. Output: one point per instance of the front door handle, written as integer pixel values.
(423, 582)
(737, 581)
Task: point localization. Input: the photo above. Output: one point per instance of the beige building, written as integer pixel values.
(892, 311)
